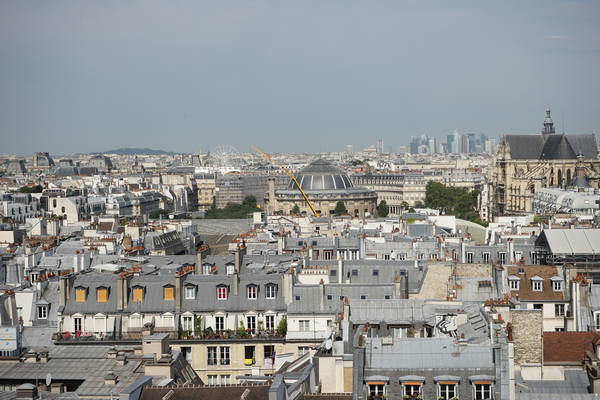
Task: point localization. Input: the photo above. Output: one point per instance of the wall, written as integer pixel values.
(527, 336)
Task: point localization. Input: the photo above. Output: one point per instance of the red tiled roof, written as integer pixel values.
(568, 346)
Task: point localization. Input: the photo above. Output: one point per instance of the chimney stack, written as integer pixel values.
(199, 262)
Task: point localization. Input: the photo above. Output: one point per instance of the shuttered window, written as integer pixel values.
(102, 294)
(80, 295)
(138, 295)
(168, 293)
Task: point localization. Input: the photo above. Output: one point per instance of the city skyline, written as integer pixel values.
(88, 76)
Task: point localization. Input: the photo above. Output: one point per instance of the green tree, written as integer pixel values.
(453, 201)
(419, 204)
(30, 189)
(404, 205)
(356, 162)
(157, 213)
(383, 209)
(340, 209)
(296, 210)
(233, 211)
(282, 327)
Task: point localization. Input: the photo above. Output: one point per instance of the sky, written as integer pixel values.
(190, 75)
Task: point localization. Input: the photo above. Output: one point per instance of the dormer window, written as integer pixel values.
(222, 292)
(537, 284)
(514, 282)
(270, 291)
(102, 294)
(230, 269)
(252, 291)
(557, 284)
(42, 311)
(169, 292)
(206, 269)
(138, 294)
(80, 294)
(190, 292)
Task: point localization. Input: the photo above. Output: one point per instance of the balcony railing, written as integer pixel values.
(238, 334)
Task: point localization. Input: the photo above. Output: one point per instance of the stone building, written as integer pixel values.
(526, 163)
(324, 185)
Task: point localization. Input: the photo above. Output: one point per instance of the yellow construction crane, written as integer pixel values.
(292, 177)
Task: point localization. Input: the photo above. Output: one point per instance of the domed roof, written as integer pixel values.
(321, 175)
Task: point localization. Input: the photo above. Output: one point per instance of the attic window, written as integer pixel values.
(375, 272)
(329, 297)
(138, 294)
(102, 294)
(297, 298)
(80, 294)
(222, 292)
(42, 311)
(168, 293)
(536, 286)
(354, 272)
(557, 285)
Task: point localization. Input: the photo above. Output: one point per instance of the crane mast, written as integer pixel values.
(292, 177)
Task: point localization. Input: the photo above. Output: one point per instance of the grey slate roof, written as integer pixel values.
(427, 353)
(555, 147)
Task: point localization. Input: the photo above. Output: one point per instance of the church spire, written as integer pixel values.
(548, 124)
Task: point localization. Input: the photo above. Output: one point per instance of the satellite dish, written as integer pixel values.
(48, 379)
(328, 344)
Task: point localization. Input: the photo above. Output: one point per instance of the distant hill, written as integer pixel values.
(130, 151)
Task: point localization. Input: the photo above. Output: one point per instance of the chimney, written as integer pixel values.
(178, 291)
(340, 270)
(26, 391)
(63, 289)
(235, 281)
(199, 262)
(322, 295)
(510, 250)
(120, 292)
(239, 254)
(110, 378)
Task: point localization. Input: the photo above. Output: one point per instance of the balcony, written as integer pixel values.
(238, 334)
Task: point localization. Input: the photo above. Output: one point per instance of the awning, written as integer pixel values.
(412, 380)
(377, 379)
(446, 379)
(482, 379)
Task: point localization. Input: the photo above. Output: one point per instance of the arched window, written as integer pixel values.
(559, 182)
(568, 177)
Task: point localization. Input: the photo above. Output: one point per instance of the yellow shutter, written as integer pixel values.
(80, 295)
(102, 295)
(138, 295)
(168, 293)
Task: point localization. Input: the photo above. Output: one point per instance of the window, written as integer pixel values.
(80, 294)
(502, 257)
(447, 390)
(386, 256)
(187, 323)
(187, 353)
(249, 355)
(536, 286)
(538, 306)
(102, 295)
(469, 258)
(252, 291)
(557, 286)
(219, 323)
(230, 269)
(211, 355)
(269, 351)
(302, 350)
(221, 293)
(138, 294)
(363, 296)
(387, 297)
(190, 292)
(304, 325)
(376, 389)
(482, 391)
(354, 272)
(332, 272)
(329, 297)
(559, 310)
(225, 360)
(514, 284)
(401, 256)
(225, 379)
(212, 379)
(486, 258)
(77, 324)
(270, 322)
(206, 269)
(251, 322)
(270, 291)
(168, 293)
(375, 272)
(42, 312)
(412, 389)
(597, 320)
(518, 256)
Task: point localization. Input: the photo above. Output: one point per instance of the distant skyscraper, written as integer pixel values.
(349, 149)
(380, 146)
(431, 145)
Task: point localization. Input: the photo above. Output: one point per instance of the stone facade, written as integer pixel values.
(527, 336)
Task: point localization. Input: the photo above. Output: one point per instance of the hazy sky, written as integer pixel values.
(80, 76)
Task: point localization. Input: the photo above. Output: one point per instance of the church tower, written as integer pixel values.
(548, 125)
